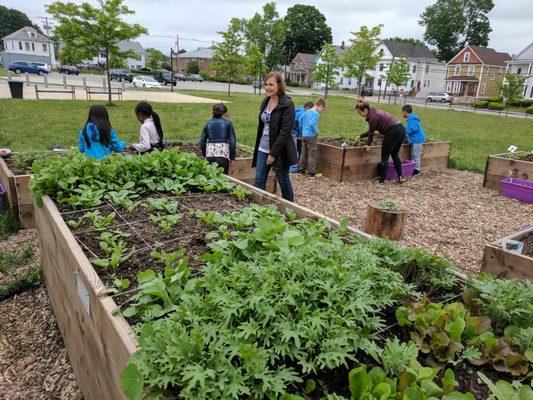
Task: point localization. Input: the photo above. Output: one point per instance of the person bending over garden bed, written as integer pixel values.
(392, 130)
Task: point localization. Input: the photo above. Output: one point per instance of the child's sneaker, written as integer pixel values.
(301, 171)
(416, 172)
(379, 180)
(401, 179)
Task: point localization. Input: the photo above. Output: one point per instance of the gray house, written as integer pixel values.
(27, 44)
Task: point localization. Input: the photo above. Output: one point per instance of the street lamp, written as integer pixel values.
(172, 52)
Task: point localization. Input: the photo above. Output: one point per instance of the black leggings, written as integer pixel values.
(221, 161)
(390, 148)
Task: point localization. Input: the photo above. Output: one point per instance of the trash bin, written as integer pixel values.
(16, 89)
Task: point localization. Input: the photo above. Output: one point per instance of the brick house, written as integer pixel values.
(475, 71)
(522, 64)
(204, 56)
(302, 68)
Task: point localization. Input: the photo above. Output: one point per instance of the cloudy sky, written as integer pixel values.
(197, 22)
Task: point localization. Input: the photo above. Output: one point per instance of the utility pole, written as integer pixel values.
(177, 53)
(47, 27)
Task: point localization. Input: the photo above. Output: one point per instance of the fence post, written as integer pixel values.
(84, 83)
(9, 76)
(124, 86)
(103, 83)
(27, 78)
(64, 81)
(46, 81)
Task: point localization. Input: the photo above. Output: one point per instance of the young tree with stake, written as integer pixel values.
(399, 72)
(227, 58)
(327, 70)
(511, 89)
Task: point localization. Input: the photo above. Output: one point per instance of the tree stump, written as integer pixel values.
(385, 223)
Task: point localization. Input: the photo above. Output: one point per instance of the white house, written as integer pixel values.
(427, 73)
(522, 64)
(137, 62)
(27, 44)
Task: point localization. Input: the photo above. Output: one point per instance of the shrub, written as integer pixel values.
(495, 106)
(495, 99)
(527, 103)
(514, 102)
(293, 84)
(481, 104)
(529, 110)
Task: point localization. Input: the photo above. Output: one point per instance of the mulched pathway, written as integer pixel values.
(451, 213)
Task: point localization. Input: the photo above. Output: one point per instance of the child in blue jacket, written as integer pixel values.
(98, 139)
(309, 127)
(415, 135)
(297, 130)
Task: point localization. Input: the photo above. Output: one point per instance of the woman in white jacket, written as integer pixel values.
(151, 134)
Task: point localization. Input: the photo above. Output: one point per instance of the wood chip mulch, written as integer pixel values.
(15, 244)
(451, 213)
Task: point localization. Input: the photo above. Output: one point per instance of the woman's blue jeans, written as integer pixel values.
(282, 174)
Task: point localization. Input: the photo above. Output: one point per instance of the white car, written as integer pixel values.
(145, 82)
(443, 97)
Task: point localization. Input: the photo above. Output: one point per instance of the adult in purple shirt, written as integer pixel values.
(392, 130)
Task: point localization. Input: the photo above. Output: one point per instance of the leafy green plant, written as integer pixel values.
(25, 160)
(240, 192)
(397, 356)
(166, 222)
(388, 205)
(503, 390)
(100, 221)
(116, 249)
(162, 204)
(124, 197)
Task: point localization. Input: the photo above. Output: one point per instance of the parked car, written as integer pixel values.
(165, 77)
(69, 70)
(180, 77)
(257, 84)
(367, 91)
(144, 70)
(195, 78)
(440, 96)
(146, 82)
(20, 67)
(121, 75)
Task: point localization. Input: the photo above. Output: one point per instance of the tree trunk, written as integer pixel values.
(326, 91)
(109, 99)
(359, 87)
(385, 223)
(229, 86)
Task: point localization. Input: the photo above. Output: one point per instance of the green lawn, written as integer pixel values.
(40, 124)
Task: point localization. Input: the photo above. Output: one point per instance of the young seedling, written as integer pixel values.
(162, 204)
(166, 222)
(100, 221)
(388, 205)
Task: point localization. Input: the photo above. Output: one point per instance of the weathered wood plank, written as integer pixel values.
(8, 181)
(22, 183)
(498, 167)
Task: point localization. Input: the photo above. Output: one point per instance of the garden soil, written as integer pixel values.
(451, 214)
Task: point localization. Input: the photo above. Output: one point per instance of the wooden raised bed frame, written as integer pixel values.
(498, 167)
(19, 195)
(99, 343)
(505, 264)
(355, 163)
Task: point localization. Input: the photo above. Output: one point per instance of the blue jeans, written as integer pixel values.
(295, 168)
(415, 154)
(282, 174)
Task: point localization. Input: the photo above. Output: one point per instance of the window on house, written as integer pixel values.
(485, 69)
(33, 46)
(530, 67)
(448, 86)
(519, 71)
(466, 56)
(457, 70)
(32, 34)
(379, 82)
(500, 72)
(456, 87)
(531, 94)
(427, 69)
(483, 88)
(381, 67)
(349, 81)
(45, 47)
(424, 84)
(428, 82)
(471, 70)
(12, 45)
(20, 45)
(525, 91)
(27, 46)
(342, 79)
(492, 76)
(414, 68)
(412, 83)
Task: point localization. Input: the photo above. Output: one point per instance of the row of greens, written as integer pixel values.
(289, 308)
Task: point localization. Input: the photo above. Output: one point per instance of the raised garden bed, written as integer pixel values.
(507, 264)
(356, 163)
(308, 282)
(500, 166)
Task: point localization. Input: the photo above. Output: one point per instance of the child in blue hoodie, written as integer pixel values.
(297, 130)
(98, 139)
(415, 135)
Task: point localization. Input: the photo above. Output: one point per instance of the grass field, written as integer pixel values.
(41, 124)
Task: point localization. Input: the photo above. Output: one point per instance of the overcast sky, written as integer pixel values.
(511, 21)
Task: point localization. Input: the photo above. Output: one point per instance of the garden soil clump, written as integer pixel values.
(451, 214)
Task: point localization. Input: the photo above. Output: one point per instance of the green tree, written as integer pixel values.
(361, 54)
(91, 30)
(399, 72)
(511, 88)
(12, 20)
(406, 40)
(255, 63)
(227, 57)
(306, 30)
(156, 58)
(453, 24)
(193, 67)
(267, 32)
(327, 69)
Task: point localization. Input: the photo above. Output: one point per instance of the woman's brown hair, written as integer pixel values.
(362, 105)
(279, 80)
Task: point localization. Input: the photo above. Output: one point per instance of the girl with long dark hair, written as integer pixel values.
(98, 139)
(151, 134)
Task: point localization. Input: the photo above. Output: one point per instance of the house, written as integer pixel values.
(426, 72)
(136, 62)
(203, 55)
(302, 68)
(475, 71)
(27, 44)
(522, 64)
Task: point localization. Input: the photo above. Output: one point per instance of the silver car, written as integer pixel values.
(442, 97)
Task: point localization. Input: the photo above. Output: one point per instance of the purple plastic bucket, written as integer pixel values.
(3, 194)
(518, 189)
(408, 166)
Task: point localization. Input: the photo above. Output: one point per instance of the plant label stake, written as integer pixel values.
(512, 149)
(83, 293)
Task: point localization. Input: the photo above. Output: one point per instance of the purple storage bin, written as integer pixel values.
(3, 194)
(408, 166)
(518, 189)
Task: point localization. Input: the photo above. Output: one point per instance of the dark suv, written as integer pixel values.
(165, 78)
(121, 75)
(69, 70)
(367, 91)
